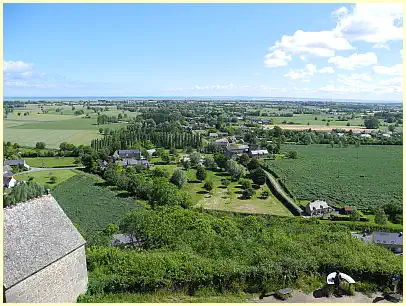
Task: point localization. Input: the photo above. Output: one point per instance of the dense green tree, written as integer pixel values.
(195, 159)
(253, 164)
(244, 159)
(179, 178)
(380, 216)
(40, 145)
(201, 173)
(258, 176)
(371, 123)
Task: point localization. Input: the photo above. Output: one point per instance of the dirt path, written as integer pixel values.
(300, 297)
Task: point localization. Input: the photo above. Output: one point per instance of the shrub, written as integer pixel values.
(248, 193)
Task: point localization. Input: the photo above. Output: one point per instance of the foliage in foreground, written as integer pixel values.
(188, 250)
(23, 192)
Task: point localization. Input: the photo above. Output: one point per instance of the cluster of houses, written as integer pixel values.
(391, 241)
(9, 180)
(129, 158)
(232, 149)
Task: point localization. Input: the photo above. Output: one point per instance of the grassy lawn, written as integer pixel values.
(168, 297)
(91, 204)
(50, 162)
(43, 177)
(220, 200)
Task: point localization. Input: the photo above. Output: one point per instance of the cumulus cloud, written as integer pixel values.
(16, 66)
(277, 58)
(323, 43)
(395, 70)
(371, 22)
(304, 73)
(353, 61)
(326, 69)
(375, 23)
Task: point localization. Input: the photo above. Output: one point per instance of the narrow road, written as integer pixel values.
(281, 194)
(35, 169)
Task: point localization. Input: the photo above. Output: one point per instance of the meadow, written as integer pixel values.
(219, 199)
(366, 176)
(92, 205)
(55, 127)
(50, 162)
(43, 177)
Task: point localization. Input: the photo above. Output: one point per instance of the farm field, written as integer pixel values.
(90, 204)
(220, 200)
(50, 162)
(43, 177)
(364, 177)
(54, 128)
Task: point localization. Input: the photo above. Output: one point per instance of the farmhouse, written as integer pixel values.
(213, 135)
(127, 154)
(222, 142)
(223, 133)
(236, 149)
(17, 162)
(134, 162)
(347, 210)
(366, 136)
(318, 208)
(44, 254)
(259, 153)
(392, 241)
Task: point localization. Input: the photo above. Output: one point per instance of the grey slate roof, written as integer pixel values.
(388, 238)
(6, 168)
(36, 233)
(14, 162)
(128, 153)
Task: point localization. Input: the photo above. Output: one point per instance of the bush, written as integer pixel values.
(265, 194)
(225, 182)
(53, 179)
(40, 145)
(208, 185)
(245, 183)
(248, 193)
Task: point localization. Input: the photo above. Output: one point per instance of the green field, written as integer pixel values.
(90, 204)
(219, 200)
(50, 162)
(365, 176)
(54, 128)
(43, 177)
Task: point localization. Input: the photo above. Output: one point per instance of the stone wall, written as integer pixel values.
(60, 282)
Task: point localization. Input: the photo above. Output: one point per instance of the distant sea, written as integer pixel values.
(212, 98)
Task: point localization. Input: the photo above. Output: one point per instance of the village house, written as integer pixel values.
(318, 208)
(391, 241)
(120, 154)
(16, 163)
(223, 133)
(236, 150)
(366, 136)
(258, 153)
(134, 162)
(222, 142)
(213, 135)
(44, 254)
(347, 210)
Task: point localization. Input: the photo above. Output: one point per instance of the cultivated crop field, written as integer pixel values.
(54, 128)
(90, 204)
(365, 176)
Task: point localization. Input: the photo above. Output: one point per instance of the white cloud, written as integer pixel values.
(381, 46)
(371, 22)
(323, 43)
(326, 69)
(304, 73)
(18, 66)
(395, 70)
(353, 61)
(277, 58)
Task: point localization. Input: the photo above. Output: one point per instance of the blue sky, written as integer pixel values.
(296, 50)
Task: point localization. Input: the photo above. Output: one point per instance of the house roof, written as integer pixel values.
(348, 208)
(7, 174)
(129, 162)
(36, 233)
(259, 152)
(318, 205)
(222, 140)
(388, 238)
(7, 179)
(124, 152)
(213, 134)
(7, 168)
(14, 162)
